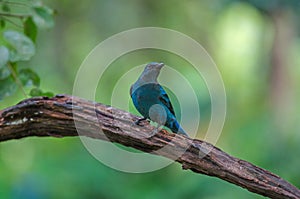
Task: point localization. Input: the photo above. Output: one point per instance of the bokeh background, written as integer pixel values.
(255, 45)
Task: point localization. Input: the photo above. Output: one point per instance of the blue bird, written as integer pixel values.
(152, 101)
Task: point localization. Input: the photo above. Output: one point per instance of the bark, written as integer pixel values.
(64, 115)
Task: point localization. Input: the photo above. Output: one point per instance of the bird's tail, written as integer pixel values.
(176, 128)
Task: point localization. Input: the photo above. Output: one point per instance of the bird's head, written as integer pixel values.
(154, 66)
(151, 71)
(148, 76)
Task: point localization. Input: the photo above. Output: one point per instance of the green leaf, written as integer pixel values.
(4, 73)
(2, 23)
(4, 56)
(48, 94)
(43, 16)
(30, 29)
(7, 87)
(22, 48)
(5, 7)
(29, 78)
(35, 92)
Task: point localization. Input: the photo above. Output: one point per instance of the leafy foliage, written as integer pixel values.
(238, 35)
(21, 48)
(18, 45)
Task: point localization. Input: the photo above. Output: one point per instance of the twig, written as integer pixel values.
(21, 16)
(14, 3)
(17, 80)
(12, 22)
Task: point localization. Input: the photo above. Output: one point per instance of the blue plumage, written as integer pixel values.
(152, 101)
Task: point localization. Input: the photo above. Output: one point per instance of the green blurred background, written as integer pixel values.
(255, 45)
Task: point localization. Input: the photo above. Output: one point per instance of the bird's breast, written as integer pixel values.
(145, 96)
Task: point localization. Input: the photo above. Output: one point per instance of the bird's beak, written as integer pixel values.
(160, 65)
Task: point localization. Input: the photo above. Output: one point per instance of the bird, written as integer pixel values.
(152, 101)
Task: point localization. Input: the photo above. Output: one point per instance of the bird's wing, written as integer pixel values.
(131, 89)
(164, 98)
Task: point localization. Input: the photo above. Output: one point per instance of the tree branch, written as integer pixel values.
(57, 117)
(6, 14)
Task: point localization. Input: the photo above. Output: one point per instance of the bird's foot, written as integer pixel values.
(156, 130)
(140, 120)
